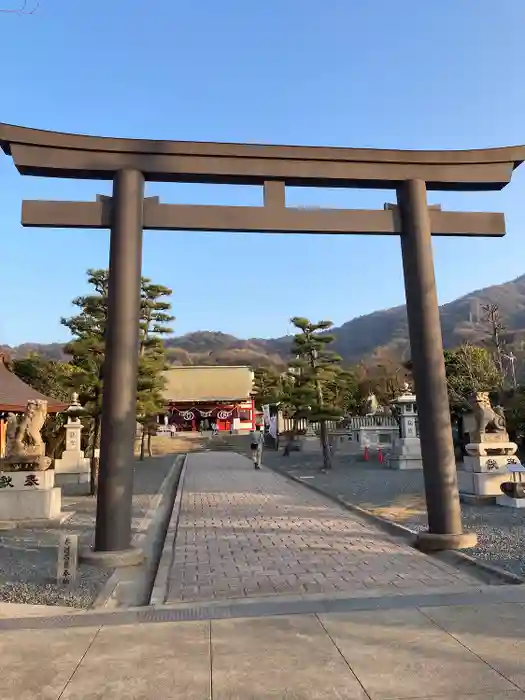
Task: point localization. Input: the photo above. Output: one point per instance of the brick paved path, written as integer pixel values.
(248, 533)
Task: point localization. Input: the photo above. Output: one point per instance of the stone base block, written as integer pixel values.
(127, 557)
(471, 499)
(477, 437)
(481, 484)
(30, 481)
(405, 462)
(510, 502)
(30, 504)
(74, 484)
(25, 462)
(488, 463)
(72, 478)
(408, 444)
(491, 448)
(433, 542)
(66, 465)
(39, 523)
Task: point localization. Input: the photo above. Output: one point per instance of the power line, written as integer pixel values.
(23, 9)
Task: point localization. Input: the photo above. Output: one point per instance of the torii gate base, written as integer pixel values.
(130, 162)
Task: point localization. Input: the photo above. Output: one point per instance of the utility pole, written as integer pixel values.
(511, 357)
(493, 317)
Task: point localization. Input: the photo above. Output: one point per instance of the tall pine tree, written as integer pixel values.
(314, 367)
(88, 329)
(154, 315)
(86, 348)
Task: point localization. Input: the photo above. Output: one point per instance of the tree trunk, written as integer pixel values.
(325, 445)
(142, 443)
(55, 443)
(95, 460)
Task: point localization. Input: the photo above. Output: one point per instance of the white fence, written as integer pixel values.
(345, 425)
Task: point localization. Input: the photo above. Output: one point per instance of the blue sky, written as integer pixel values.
(363, 73)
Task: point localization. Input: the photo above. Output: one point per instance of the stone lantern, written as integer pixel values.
(406, 451)
(72, 470)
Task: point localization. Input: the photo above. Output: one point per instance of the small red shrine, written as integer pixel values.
(196, 397)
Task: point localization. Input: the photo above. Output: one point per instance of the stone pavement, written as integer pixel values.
(399, 496)
(441, 653)
(247, 533)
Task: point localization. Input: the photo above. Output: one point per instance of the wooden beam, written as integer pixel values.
(66, 214)
(274, 193)
(160, 167)
(269, 219)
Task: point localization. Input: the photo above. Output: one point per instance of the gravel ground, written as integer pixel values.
(399, 496)
(28, 558)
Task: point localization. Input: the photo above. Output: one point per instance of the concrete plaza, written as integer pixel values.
(441, 653)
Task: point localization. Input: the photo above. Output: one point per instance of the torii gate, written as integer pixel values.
(129, 162)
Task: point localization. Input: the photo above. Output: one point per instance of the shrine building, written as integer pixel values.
(196, 397)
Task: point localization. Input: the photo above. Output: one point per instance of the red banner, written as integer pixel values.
(225, 413)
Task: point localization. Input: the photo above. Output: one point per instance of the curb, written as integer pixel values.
(159, 591)
(453, 557)
(144, 539)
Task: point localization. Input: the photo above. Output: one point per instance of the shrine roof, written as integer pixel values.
(14, 393)
(207, 384)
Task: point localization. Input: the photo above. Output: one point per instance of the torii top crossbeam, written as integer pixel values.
(55, 154)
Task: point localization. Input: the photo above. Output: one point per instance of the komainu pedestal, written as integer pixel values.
(27, 485)
(489, 452)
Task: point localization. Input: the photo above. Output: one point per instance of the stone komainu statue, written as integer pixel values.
(371, 405)
(488, 419)
(23, 434)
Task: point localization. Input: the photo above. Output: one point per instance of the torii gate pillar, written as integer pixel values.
(426, 343)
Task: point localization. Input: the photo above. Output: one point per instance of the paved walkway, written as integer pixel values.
(244, 533)
(443, 653)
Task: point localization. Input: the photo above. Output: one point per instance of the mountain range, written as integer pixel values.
(378, 337)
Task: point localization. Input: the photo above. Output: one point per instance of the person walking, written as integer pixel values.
(256, 446)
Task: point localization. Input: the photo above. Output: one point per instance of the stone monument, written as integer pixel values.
(406, 450)
(72, 470)
(490, 453)
(27, 485)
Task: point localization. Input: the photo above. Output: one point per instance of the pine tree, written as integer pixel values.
(87, 349)
(269, 387)
(342, 391)
(469, 369)
(88, 329)
(314, 368)
(152, 356)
